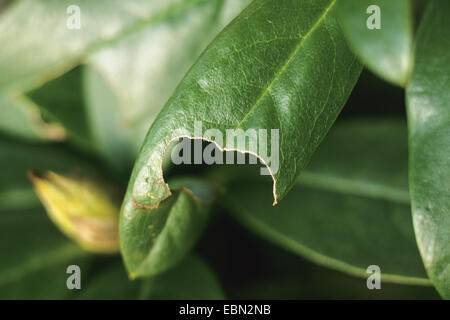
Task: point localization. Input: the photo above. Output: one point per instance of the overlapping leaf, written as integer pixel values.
(277, 77)
(269, 69)
(349, 209)
(387, 50)
(30, 56)
(144, 68)
(156, 239)
(110, 104)
(132, 79)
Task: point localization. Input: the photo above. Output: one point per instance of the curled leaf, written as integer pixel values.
(157, 238)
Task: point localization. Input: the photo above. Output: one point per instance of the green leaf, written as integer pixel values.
(124, 89)
(144, 68)
(349, 161)
(429, 144)
(279, 65)
(131, 79)
(31, 57)
(154, 239)
(386, 51)
(191, 279)
(61, 101)
(347, 213)
(37, 256)
(292, 277)
(116, 141)
(19, 117)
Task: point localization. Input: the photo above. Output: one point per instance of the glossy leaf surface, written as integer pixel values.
(387, 50)
(429, 140)
(269, 69)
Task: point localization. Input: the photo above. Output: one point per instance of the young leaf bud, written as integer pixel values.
(85, 210)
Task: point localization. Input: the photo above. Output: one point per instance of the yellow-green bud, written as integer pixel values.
(85, 210)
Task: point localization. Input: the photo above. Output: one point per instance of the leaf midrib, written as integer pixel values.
(291, 57)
